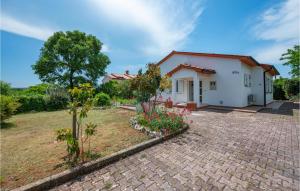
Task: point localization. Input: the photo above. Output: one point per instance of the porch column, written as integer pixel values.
(196, 90)
(173, 90)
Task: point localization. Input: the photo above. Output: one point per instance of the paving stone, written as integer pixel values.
(220, 151)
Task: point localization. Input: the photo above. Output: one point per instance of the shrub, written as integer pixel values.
(162, 120)
(8, 106)
(56, 98)
(4, 88)
(279, 93)
(110, 88)
(37, 89)
(125, 101)
(102, 99)
(55, 102)
(291, 87)
(31, 103)
(125, 90)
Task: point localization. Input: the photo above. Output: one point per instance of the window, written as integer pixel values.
(269, 85)
(179, 86)
(213, 85)
(247, 80)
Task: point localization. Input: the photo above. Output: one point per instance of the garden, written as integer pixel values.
(69, 119)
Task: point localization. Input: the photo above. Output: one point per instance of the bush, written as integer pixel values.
(125, 101)
(37, 89)
(279, 93)
(4, 88)
(8, 106)
(110, 88)
(55, 102)
(162, 120)
(56, 98)
(31, 103)
(102, 99)
(292, 87)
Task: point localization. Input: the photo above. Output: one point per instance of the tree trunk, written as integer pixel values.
(74, 122)
(74, 115)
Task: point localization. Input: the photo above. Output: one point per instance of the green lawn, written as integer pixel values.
(29, 150)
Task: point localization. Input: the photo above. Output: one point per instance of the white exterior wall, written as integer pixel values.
(229, 78)
(228, 93)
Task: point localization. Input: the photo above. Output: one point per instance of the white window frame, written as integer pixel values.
(213, 87)
(247, 80)
(179, 86)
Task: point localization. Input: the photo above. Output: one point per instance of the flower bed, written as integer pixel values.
(161, 121)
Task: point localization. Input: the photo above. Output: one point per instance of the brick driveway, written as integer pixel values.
(221, 151)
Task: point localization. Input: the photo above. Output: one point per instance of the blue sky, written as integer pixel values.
(136, 32)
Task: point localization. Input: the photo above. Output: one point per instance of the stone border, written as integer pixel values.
(67, 175)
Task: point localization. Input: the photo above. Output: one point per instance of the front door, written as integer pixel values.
(191, 90)
(200, 91)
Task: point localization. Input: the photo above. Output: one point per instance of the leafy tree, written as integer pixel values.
(5, 88)
(146, 85)
(292, 57)
(69, 59)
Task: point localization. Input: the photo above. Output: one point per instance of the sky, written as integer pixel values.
(136, 32)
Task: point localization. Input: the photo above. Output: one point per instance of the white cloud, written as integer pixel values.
(105, 48)
(19, 27)
(280, 26)
(272, 53)
(165, 24)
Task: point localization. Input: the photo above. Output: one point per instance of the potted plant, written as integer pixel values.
(169, 103)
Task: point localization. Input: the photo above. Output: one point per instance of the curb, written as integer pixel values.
(67, 175)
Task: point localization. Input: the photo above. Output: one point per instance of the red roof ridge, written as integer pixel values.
(249, 60)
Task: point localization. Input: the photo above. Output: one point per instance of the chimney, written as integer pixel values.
(127, 72)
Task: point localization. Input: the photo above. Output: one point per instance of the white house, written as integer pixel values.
(218, 79)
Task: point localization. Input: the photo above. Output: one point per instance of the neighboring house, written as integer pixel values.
(217, 79)
(118, 77)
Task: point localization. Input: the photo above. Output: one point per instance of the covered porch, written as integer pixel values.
(187, 85)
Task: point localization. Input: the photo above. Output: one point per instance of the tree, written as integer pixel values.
(82, 103)
(292, 57)
(146, 85)
(69, 59)
(5, 88)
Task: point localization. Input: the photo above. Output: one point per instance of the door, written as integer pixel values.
(191, 91)
(200, 92)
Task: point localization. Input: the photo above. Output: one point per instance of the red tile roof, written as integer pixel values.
(190, 67)
(121, 76)
(244, 59)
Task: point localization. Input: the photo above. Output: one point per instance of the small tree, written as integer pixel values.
(69, 59)
(146, 85)
(292, 57)
(80, 105)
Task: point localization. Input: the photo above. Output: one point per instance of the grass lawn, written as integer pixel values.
(29, 150)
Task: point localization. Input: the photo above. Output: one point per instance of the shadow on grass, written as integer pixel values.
(7, 125)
